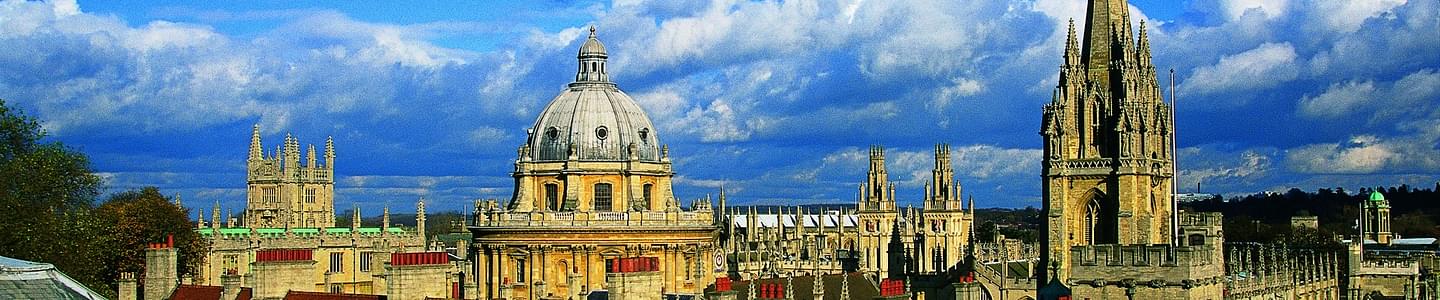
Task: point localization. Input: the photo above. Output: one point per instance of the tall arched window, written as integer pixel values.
(645, 196)
(602, 197)
(1092, 217)
(552, 196)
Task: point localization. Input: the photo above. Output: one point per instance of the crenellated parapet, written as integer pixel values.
(1149, 271)
(1143, 256)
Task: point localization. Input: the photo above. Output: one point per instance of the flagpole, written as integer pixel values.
(1174, 168)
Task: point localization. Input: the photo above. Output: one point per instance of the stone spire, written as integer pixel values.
(329, 153)
(256, 152)
(310, 157)
(1142, 51)
(1107, 23)
(355, 219)
(420, 219)
(215, 216)
(1106, 108)
(1072, 47)
(199, 219)
(385, 220)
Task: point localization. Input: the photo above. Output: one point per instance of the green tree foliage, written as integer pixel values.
(47, 212)
(46, 192)
(1266, 216)
(138, 218)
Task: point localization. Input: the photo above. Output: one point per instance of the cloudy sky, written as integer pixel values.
(776, 101)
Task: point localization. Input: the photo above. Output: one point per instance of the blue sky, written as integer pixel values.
(775, 100)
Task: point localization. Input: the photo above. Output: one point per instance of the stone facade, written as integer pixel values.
(347, 259)
(280, 192)
(634, 278)
(1108, 142)
(423, 275)
(279, 271)
(800, 241)
(592, 184)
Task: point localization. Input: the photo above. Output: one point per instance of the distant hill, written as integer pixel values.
(1262, 216)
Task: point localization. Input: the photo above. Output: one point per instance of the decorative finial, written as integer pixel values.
(592, 31)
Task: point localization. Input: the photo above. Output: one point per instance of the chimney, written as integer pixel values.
(229, 285)
(127, 286)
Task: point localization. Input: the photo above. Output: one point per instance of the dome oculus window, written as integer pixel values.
(645, 135)
(602, 133)
(552, 133)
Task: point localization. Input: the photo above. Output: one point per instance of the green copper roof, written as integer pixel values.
(1377, 196)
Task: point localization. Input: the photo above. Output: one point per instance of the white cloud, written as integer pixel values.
(713, 123)
(1340, 100)
(987, 162)
(1222, 168)
(487, 135)
(1363, 154)
(1370, 103)
(959, 88)
(1371, 154)
(1271, 9)
(1348, 15)
(1265, 66)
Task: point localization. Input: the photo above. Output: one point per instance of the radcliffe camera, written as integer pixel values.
(719, 150)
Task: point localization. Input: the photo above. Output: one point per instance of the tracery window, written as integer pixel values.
(1092, 216)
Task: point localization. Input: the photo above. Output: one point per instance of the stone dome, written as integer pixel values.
(594, 118)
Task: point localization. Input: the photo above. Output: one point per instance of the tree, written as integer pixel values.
(137, 218)
(46, 191)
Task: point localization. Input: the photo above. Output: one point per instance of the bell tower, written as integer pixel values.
(1108, 142)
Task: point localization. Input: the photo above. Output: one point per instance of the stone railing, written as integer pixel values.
(592, 219)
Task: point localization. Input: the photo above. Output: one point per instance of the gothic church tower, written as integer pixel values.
(1108, 167)
(280, 192)
(877, 212)
(946, 225)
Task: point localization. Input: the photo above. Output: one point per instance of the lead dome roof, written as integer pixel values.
(594, 116)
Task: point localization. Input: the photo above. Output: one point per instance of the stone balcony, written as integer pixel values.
(595, 219)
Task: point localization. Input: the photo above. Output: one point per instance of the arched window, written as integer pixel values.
(645, 196)
(1092, 217)
(552, 196)
(602, 197)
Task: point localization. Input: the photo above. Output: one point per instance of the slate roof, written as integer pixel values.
(205, 292)
(22, 280)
